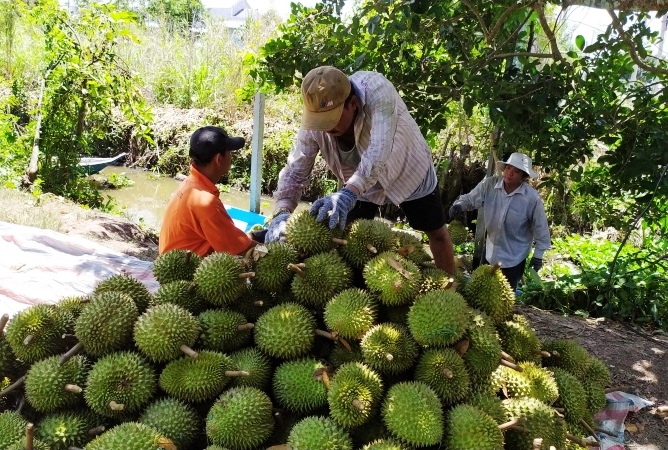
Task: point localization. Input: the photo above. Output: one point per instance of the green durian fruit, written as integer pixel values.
(444, 371)
(221, 278)
(354, 395)
(180, 293)
(299, 386)
(434, 279)
(164, 332)
(540, 422)
(308, 236)
(105, 324)
(253, 303)
(129, 436)
(597, 372)
(9, 365)
(512, 383)
(69, 309)
(385, 444)
(286, 331)
(197, 379)
(258, 367)
(394, 314)
(572, 396)
(470, 428)
(173, 419)
(340, 354)
(439, 318)
(411, 247)
(483, 355)
(12, 428)
(458, 232)
(395, 280)
(241, 419)
(224, 330)
(50, 386)
(519, 340)
(35, 333)
(175, 265)
(543, 385)
(351, 313)
(389, 348)
(119, 385)
(569, 355)
(412, 412)
(319, 278)
(489, 403)
(366, 239)
(489, 291)
(319, 432)
(127, 285)
(596, 400)
(22, 444)
(64, 430)
(272, 273)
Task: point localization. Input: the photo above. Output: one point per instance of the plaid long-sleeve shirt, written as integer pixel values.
(394, 157)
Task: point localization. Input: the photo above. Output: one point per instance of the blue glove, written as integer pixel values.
(339, 204)
(455, 211)
(536, 263)
(276, 228)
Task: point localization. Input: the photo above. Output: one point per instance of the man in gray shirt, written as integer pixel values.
(514, 217)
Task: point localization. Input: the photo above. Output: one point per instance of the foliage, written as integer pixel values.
(178, 14)
(581, 278)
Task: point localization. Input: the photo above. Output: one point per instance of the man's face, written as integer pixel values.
(512, 176)
(347, 118)
(224, 162)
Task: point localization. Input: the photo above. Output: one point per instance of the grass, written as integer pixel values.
(46, 211)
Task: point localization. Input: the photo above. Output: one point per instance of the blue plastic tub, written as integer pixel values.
(245, 220)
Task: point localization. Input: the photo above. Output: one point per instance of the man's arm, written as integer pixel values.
(295, 174)
(220, 232)
(541, 230)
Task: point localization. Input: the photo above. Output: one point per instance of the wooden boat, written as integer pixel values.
(92, 165)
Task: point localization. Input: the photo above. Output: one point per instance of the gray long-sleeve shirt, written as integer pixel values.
(513, 221)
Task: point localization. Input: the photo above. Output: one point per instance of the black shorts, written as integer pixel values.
(423, 214)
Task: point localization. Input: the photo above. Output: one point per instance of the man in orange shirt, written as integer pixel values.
(195, 218)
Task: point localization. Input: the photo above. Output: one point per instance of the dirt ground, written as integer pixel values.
(637, 360)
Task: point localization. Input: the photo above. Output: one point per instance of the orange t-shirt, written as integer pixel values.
(196, 220)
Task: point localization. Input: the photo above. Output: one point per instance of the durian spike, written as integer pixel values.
(537, 444)
(28, 339)
(462, 347)
(590, 429)
(246, 327)
(325, 334)
(582, 442)
(70, 353)
(510, 365)
(512, 424)
(372, 249)
(339, 241)
(189, 351)
(3, 321)
(358, 404)
(246, 275)
(405, 250)
(116, 406)
(97, 430)
(494, 267)
(236, 373)
(73, 388)
(507, 357)
(297, 268)
(389, 356)
(448, 373)
(30, 436)
(18, 383)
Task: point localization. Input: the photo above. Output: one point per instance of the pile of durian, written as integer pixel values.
(329, 341)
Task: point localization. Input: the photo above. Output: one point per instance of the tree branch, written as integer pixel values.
(528, 54)
(479, 17)
(540, 9)
(499, 23)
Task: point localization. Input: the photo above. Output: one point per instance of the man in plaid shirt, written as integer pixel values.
(364, 132)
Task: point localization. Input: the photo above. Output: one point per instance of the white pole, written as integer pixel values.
(256, 155)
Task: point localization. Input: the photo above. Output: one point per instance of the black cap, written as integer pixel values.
(207, 141)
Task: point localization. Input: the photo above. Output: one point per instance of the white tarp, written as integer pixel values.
(44, 266)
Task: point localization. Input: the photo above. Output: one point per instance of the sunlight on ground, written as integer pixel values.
(20, 208)
(643, 368)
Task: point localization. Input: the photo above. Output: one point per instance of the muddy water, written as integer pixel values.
(146, 200)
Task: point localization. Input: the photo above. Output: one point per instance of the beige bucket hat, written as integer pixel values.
(520, 161)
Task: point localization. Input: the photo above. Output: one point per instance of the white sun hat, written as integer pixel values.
(520, 161)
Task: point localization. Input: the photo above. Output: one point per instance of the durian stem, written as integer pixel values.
(116, 406)
(554, 353)
(73, 388)
(359, 405)
(510, 365)
(236, 373)
(297, 268)
(405, 250)
(189, 351)
(192, 288)
(325, 334)
(582, 442)
(258, 303)
(521, 429)
(339, 241)
(246, 327)
(68, 335)
(448, 373)
(28, 339)
(494, 268)
(3, 321)
(507, 357)
(189, 254)
(70, 353)
(512, 424)
(544, 354)
(450, 284)
(18, 383)
(74, 448)
(590, 429)
(97, 430)
(389, 356)
(280, 447)
(246, 275)
(537, 444)
(560, 410)
(30, 436)
(462, 347)
(372, 249)
(22, 403)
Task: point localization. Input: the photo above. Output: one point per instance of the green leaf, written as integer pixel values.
(580, 42)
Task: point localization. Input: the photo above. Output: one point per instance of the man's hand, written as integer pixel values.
(336, 205)
(455, 211)
(276, 228)
(536, 263)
